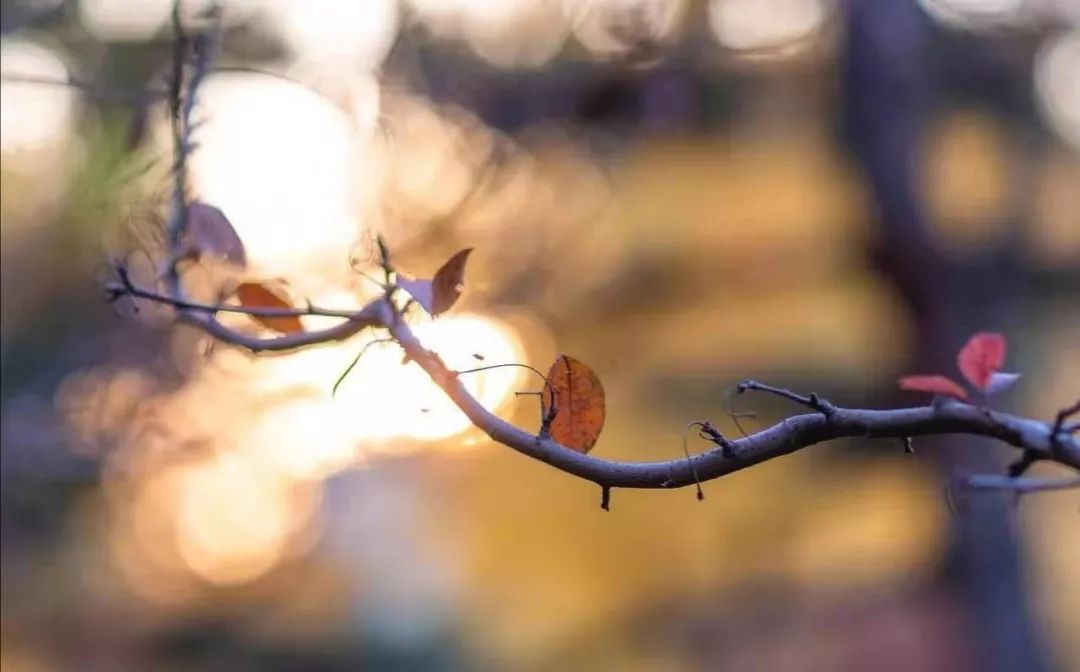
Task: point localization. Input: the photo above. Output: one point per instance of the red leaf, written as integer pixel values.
(981, 357)
(933, 383)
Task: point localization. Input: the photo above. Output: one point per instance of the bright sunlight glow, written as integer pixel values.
(745, 25)
(32, 115)
(278, 159)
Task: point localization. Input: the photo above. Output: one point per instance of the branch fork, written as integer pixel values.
(1039, 441)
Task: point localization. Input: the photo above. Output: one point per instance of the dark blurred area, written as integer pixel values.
(821, 194)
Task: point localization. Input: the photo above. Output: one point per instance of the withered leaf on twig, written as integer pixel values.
(256, 295)
(579, 403)
(440, 293)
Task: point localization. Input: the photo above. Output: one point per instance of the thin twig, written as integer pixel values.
(795, 433)
(1019, 485)
(182, 99)
(354, 362)
(737, 416)
(686, 452)
(1059, 423)
(126, 288)
(811, 401)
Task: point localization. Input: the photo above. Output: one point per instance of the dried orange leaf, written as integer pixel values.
(255, 295)
(448, 281)
(440, 293)
(209, 232)
(579, 403)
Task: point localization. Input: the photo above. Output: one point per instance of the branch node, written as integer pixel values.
(708, 431)
(819, 404)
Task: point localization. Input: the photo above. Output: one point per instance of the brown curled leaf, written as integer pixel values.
(440, 293)
(208, 232)
(448, 282)
(256, 295)
(579, 403)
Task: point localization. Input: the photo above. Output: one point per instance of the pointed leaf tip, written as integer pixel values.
(999, 382)
(448, 281)
(440, 293)
(934, 384)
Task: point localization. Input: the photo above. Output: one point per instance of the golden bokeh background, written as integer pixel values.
(664, 189)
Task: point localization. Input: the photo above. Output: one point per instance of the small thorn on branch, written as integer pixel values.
(821, 405)
(605, 498)
(909, 448)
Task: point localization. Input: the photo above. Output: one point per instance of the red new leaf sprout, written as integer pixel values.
(934, 383)
(980, 360)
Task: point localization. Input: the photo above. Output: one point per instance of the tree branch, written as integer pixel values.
(1038, 440)
(828, 422)
(1019, 485)
(795, 433)
(125, 287)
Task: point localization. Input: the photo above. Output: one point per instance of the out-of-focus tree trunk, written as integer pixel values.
(888, 91)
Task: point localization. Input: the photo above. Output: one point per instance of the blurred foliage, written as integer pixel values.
(658, 188)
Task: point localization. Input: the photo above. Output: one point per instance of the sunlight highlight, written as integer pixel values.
(343, 34)
(235, 518)
(278, 159)
(770, 25)
(123, 20)
(614, 27)
(259, 437)
(382, 399)
(34, 116)
(507, 33)
(1057, 84)
(977, 14)
(404, 402)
